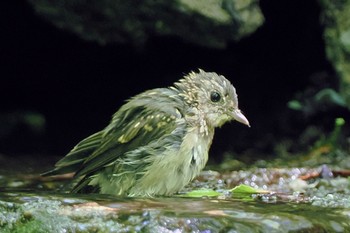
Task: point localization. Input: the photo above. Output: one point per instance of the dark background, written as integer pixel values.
(77, 85)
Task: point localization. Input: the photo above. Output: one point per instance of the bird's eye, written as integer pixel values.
(215, 96)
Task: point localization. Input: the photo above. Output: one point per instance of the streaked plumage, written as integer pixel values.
(157, 142)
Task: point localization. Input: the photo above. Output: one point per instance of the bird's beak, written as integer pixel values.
(238, 116)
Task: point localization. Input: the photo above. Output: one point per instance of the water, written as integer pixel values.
(29, 203)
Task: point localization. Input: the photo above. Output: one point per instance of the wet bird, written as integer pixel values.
(157, 142)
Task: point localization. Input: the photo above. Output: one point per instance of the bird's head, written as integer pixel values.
(213, 96)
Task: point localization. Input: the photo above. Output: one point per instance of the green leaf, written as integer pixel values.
(329, 95)
(245, 191)
(242, 188)
(202, 193)
(339, 121)
(295, 105)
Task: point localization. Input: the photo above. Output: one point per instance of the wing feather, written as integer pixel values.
(132, 135)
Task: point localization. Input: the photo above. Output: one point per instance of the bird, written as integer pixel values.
(157, 142)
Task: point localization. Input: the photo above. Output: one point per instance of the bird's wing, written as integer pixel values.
(136, 124)
(130, 129)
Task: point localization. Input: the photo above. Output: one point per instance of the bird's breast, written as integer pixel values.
(194, 152)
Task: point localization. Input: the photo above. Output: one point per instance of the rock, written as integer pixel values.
(208, 23)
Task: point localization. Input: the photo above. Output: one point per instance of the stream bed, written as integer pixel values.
(287, 203)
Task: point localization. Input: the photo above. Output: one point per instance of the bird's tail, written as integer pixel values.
(76, 157)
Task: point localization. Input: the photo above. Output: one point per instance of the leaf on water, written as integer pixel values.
(245, 191)
(202, 193)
